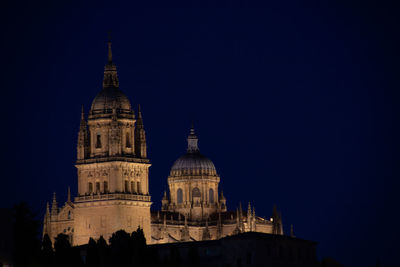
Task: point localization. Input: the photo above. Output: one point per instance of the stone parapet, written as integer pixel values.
(117, 196)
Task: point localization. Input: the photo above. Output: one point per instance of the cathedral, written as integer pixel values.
(113, 183)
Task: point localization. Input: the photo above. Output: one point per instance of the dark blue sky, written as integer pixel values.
(295, 102)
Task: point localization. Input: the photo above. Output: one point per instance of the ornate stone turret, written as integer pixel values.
(83, 149)
(47, 221)
(164, 202)
(206, 232)
(140, 137)
(69, 195)
(54, 207)
(222, 202)
(277, 227)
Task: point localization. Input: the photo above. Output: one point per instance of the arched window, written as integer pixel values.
(211, 195)
(133, 187)
(98, 141)
(179, 196)
(97, 187)
(69, 215)
(90, 188)
(105, 186)
(138, 190)
(126, 187)
(196, 192)
(128, 140)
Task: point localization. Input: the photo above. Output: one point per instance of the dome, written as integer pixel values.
(193, 163)
(110, 98)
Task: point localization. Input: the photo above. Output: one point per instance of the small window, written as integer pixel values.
(98, 141)
(90, 188)
(133, 187)
(105, 186)
(138, 188)
(126, 187)
(69, 216)
(211, 195)
(97, 187)
(179, 196)
(128, 140)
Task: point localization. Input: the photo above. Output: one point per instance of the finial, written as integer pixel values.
(47, 208)
(54, 208)
(82, 113)
(69, 195)
(139, 112)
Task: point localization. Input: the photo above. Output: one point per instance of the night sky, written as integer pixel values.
(296, 103)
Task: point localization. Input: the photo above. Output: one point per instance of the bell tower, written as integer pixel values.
(112, 164)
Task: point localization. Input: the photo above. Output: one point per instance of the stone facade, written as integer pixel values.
(113, 183)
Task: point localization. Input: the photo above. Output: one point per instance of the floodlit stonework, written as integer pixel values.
(113, 183)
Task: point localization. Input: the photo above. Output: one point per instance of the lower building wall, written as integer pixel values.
(95, 219)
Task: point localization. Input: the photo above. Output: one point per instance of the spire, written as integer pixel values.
(54, 208)
(109, 51)
(192, 141)
(69, 195)
(110, 71)
(47, 209)
(82, 114)
(140, 136)
(291, 231)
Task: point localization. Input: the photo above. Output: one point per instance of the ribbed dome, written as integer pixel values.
(110, 98)
(193, 163)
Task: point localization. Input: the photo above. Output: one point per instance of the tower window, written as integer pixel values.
(105, 186)
(97, 187)
(98, 141)
(128, 140)
(179, 196)
(126, 187)
(90, 188)
(211, 195)
(138, 188)
(69, 215)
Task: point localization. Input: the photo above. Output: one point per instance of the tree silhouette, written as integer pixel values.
(65, 255)
(92, 254)
(121, 248)
(104, 252)
(47, 255)
(26, 236)
(193, 257)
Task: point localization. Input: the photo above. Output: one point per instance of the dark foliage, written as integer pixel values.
(47, 253)
(26, 236)
(92, 254)
(65, 255)
(193, 256)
